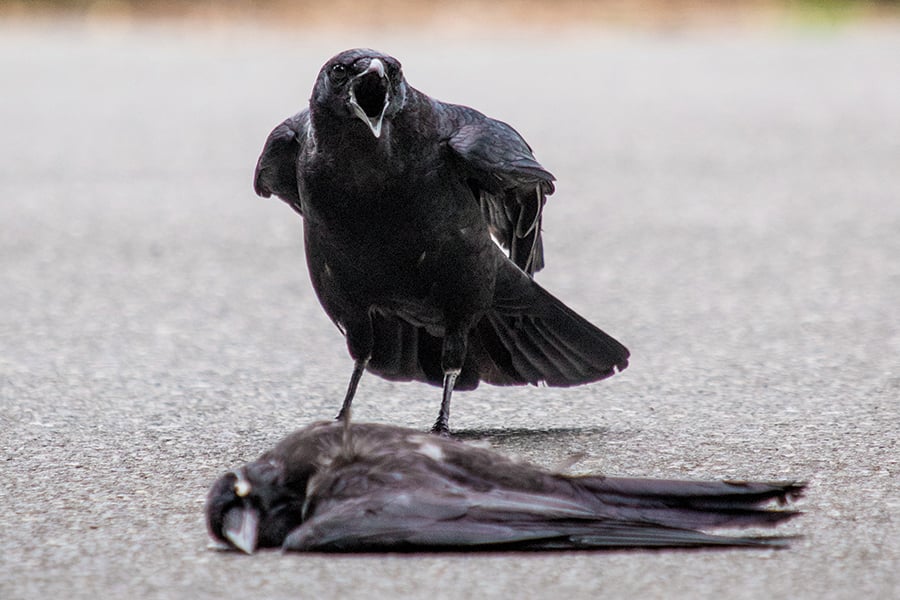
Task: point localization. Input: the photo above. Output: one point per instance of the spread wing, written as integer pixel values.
(276, 169)
(505, 178)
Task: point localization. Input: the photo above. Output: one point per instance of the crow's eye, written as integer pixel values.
(338, 72)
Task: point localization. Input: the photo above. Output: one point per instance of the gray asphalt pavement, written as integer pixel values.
(728, 206)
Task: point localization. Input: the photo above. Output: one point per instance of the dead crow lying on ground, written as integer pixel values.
(369, 487)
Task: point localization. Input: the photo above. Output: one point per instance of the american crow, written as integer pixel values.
(400, 196)
(369, 487)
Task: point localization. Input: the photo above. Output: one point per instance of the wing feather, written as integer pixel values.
(429, 509)
(509, 184)
(276, 169)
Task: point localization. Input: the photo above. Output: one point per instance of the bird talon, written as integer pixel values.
(441, 429)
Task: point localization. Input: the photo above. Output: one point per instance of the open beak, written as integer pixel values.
(241, 528)
(370, 96)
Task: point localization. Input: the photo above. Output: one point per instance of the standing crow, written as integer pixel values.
(401, 196)
(367, 487)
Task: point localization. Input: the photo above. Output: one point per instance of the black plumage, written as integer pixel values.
(401, 196)
(369, 487)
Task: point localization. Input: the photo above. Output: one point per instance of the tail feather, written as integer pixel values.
(693, 504)
(567, 348)
(526, 360)
(541, 340)
(559, 353)
(538, 351)
(648, 513)
(627, 535)
(403, 351)
(529, 337)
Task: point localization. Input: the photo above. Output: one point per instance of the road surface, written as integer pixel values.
(728, 206)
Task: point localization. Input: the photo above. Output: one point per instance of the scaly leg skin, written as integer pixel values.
(359, 368)
(442, 425)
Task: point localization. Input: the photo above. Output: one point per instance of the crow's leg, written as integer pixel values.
(358, 368)
(442, 425)
(453, 353)
(360, 343)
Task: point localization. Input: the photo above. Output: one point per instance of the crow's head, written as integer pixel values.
(254, 507)
(361, 84)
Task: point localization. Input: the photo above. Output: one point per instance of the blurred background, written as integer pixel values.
(470, 12)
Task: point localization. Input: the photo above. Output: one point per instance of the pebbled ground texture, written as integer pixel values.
(728, 206)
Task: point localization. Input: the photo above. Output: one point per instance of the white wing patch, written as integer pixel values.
(430, 449)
